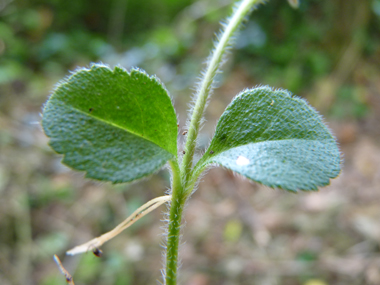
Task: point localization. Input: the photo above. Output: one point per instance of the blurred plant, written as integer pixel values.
(294, 3)
(120, 126)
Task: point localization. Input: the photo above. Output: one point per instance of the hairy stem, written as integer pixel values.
(206, 86)
(175, 217)
(183, 182)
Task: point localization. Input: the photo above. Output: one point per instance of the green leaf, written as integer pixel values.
(116, 126)
(275, 139)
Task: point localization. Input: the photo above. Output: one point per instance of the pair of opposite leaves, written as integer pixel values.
(119, 127)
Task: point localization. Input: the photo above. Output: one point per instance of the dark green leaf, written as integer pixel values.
(275, 139)
(116, 126)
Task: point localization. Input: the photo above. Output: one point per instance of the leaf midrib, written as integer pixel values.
(200, 166)
(113, 125)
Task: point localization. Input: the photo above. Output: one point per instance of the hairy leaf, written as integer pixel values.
(116, 126)
(275, 139)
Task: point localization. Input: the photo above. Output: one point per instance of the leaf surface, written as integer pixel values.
(116, 126)
(275, 139)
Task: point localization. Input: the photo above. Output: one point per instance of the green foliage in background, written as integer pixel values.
(281, 46)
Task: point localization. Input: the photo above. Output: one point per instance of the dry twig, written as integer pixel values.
(94, 244)
(67, 275)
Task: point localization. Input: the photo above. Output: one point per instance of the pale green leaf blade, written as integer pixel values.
(274, 139)
(116, 126)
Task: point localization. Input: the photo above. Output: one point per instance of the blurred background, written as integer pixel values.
(237, 232)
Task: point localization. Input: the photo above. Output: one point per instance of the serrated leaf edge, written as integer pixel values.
(202, 165)
(67, 79)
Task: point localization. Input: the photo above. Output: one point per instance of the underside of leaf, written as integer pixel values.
(276, 139)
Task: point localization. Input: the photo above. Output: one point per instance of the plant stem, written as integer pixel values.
(175, 217)
(206, 86)
(183, 182)
(173, 240)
